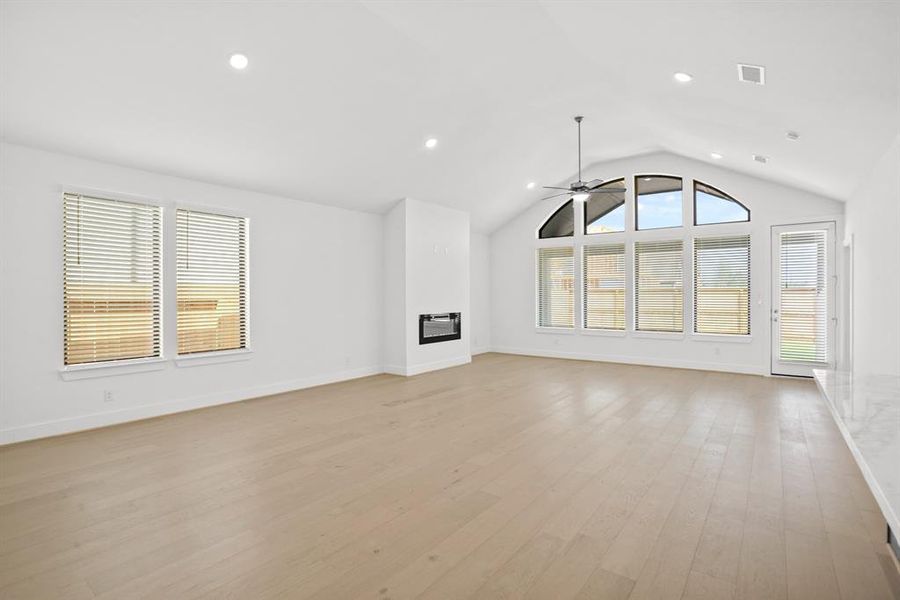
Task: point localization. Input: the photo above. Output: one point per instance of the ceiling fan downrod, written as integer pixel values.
(579, 119)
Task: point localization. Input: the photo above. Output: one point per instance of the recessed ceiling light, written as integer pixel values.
(580, 197)
(793, 135)
(760, 158)
(238, 61)
(683, 77)
(431, 142)
(531, 185)
(647, 178)
(715, 155)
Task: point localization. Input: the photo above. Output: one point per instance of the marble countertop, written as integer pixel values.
(866, 408)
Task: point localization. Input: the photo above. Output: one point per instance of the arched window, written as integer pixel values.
(560, 224)
(715, 206)
(605, 212)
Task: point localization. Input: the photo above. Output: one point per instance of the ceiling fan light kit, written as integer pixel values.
(580, 191)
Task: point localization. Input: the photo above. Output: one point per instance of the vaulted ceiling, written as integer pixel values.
(339, 97)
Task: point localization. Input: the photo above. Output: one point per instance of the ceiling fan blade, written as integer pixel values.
(556, 195)
(550, 187)
(594, 183)
(607, 191)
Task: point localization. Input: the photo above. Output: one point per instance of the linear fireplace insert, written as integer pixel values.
(440, 327)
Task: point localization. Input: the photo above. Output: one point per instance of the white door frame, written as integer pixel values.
(798, 368)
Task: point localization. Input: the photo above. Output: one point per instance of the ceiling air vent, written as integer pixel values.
(760, 158)
(752, 74)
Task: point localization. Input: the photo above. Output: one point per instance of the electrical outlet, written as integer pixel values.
(108, 396)
(346, 361)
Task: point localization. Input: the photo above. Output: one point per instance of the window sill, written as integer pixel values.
(559, 330)
(604, 332)
(213, 358)
(112, 368)
(722, 338)
(658, 335)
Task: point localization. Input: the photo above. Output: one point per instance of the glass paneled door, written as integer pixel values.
(803, 285)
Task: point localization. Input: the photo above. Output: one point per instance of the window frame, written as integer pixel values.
(624, 205)
(636, 289)
(77, 371)
(719, 335)
(546, 221)
(537, 291)
(728, 196)
(212, 356)
(584, 250)
(634, 195)
(169, 348)
(686, 233)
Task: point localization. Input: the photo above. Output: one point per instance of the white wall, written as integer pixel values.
(394, 332)
(873, 220)
(480, 292)
(316, 297)
(513, 286)
(435, 265)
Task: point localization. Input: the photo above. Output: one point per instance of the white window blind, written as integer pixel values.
(658, 298)
(604, 286)
(211, 281)
(722, 285)
(803, 321)
(556, 287)
(111, 280)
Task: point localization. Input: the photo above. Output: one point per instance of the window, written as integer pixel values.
(560, 224)
(211, 282)
(803, 320)
(658, 201)
(556, 287)
(604, 287)
(111, 280)
(715, 206)
(605, 212)
(722, 285)
(659, 301)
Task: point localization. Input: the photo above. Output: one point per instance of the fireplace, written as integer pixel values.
(439, 327)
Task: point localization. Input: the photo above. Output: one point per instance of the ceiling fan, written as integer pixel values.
(582, 190)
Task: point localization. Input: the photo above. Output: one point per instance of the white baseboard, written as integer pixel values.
(420, 368)
(480, 350)
(636, 360)
(125, 415)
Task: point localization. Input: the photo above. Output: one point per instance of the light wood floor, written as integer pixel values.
(512, 477)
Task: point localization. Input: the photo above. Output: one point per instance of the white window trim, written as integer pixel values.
(214, 357)
(111, 368)
(659, 335)
(728, 338)
(537, 290)
(603, 332)
(555, 330)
